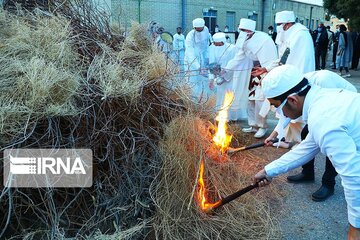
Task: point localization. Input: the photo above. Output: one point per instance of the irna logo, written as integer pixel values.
(48, 168)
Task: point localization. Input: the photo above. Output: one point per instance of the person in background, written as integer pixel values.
(271, 32)
(226, 28)
(333, 122)
(321, 46)
(330, 44)
(356, 51)
(196, 59)
(344, 53)
(220, 53)
(165, 47)
(179, 48)
(217, 29)
(335, 46)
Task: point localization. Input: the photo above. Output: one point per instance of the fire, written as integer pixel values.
(221, 139)
(202, 191)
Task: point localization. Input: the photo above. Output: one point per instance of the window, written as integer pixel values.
(210, 19)
(230, 21)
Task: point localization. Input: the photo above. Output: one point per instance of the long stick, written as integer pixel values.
(236, 194)
(252, 146)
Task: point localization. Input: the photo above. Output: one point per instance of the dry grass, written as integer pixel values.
(178, 214)
(68, 82)
(40, 72)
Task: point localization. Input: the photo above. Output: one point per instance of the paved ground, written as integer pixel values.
(306, 219)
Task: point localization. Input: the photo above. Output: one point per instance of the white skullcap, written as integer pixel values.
(280, 80)
(219, 37)
(285, 17)
(198, 22)
(247, 24)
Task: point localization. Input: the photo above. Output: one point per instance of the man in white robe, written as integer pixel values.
(333, 117)
(258, 47)
(179, 48)
(196, 58)
(240, 69)
(296, 38)
(220, 53)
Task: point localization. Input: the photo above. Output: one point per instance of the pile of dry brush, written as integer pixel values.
(68, 80)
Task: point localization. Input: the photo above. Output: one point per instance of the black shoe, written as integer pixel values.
(300, 178)
(322, 193)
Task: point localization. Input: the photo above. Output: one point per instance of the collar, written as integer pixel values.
(309, 98)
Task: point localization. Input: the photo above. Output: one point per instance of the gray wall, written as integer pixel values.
(168, 13)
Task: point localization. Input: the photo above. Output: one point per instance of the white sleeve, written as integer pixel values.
(297, 157)
(267, 55)
(234, 63)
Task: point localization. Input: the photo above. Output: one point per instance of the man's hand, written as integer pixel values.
(257, 71)
(262, 178)
(270, 138)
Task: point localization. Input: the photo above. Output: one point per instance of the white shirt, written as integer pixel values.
(333, 117)
(178, 42)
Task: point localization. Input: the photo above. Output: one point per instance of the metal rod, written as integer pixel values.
(237, 194)
(252, 146)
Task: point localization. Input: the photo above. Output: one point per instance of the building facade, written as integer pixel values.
(174, 13)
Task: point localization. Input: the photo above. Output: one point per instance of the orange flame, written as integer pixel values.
(221, 139)
(202, 191)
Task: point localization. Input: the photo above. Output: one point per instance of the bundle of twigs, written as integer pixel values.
(68, 81)
(66, 84)
(179, 215)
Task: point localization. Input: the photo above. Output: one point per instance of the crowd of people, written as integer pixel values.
(343, 45)
(284, 70)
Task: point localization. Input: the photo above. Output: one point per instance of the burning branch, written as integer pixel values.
(221, 138)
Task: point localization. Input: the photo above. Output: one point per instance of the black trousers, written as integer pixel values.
(320, 54)
(328, 178)
(355, 58)
(335, 48)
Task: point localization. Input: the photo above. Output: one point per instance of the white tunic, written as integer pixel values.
(240, 66)
(221, 55)
(333, 117)
(196, 58)
(178, 42)
(301, 45)
(302, 55)
(260, 47)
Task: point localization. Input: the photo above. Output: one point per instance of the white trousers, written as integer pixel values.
(254, 119)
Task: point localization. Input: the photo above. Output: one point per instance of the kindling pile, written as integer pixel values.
(68, 80)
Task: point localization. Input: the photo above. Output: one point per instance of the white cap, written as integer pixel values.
(219, 37)
(285, 17)
(280, 80)
(198, 22)
(247, 24)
